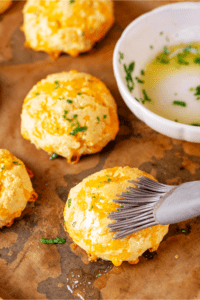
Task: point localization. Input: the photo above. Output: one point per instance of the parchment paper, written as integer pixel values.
(32, 270)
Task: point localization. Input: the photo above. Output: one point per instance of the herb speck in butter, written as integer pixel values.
(129, 80)
(121, 56)
(180, 103)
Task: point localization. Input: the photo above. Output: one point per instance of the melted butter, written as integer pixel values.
(172, 76)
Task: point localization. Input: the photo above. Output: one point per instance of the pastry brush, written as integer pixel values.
(151, 203)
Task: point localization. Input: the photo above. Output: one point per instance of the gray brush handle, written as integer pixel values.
(180, 204)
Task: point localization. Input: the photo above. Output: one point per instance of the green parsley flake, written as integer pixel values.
(161, 33)
(181, 60)
(197, 60)
(52, 241)
(16, 163)
(69, 202)
(91, 207)
(166, 50)
(74, 224)
(195, 124)
(83, 33)
(129, 80)
(37, 94)
(151, 46)
(197, 92)
(108, 180)
(57, 85)
(69, 101)
(53, 155)
(65, 112)
(121, 56)
(146, 97)
(142, 72)
(75, 116)
(105, 116)
(79, 94)
(3, 168)
(71, 1)
(78, 129)
(175, 120)
(163, 57)
(139, 80)
(61, 98)
(180, 103)
(98, 275)
(98, 119)
(167, 39)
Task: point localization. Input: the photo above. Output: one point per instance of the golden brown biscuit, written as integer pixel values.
(70, 114)
(86, 211)
(70, 26)
(4, 5)
(15, 188)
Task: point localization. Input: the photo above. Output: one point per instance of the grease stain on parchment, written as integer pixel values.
(76, 278)
(175, 164)
(7, 240)
(19, 232)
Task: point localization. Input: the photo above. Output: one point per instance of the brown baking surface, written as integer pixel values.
(32, 270)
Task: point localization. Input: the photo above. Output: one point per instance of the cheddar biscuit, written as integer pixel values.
(70, 26)
(86, 217)
(4, 5)
(69, 114)
(15, 188)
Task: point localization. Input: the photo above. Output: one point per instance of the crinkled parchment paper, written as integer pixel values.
(32, 270)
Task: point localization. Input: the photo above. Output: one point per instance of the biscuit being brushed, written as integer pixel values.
(86, 218)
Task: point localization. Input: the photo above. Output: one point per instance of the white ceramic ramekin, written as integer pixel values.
(140, 42)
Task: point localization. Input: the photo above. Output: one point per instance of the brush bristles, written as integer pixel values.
(136, 210)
